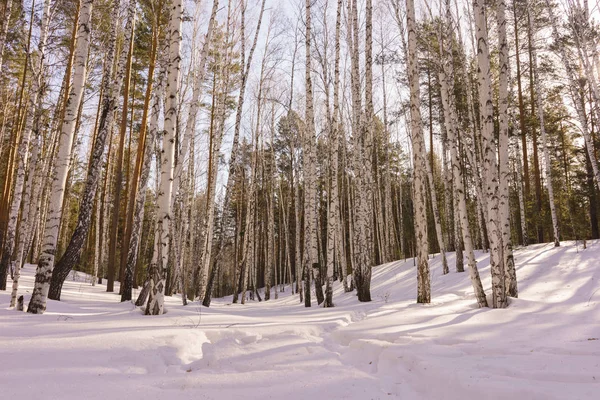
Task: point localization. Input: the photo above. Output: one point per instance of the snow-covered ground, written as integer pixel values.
(544, 346)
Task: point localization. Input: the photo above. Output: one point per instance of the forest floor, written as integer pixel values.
(545, 345)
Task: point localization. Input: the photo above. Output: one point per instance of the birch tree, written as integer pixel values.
(309, 161)
(333, 217)
(37, 304)
(504, 170)
(161, 244)
(446, 78)
(419, 161)
(111, 90)
(490, 166)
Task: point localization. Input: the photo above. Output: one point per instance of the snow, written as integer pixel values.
(544, 346)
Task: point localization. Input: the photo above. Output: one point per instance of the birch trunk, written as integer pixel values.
(490, 166)
(333, 218)
(419, 162)
(361, 161)
(446, 78)
(111, 89)
(37, 304)
(161, 244)
(311, 256)
(504, 171)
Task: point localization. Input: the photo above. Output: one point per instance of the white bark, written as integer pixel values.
(490, 165)
(161, 245)
(37, 304)
(311, 257)
(333, 217)
(419, 162)
(446, 78)
(504, 173)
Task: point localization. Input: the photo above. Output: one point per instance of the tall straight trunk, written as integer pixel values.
(490, 166)
(520, 179)
(419, 162)
(113, 261)
(430, 180)
(270, 265)
(446, 78)
(97, 235)
(37, 304)
(217, 130)
(298, 226)
(389, 234)
(161, 244)
(503, 160)
(333, 218)
(534, 137)
(111, 89)
(540, 111)
(473, 154)
(248, 252)
(311, 256)
(437, 218)
(188, 234)
(522, 124)
(139, 185)
(362, 162)
(32, 120)
(216, 136)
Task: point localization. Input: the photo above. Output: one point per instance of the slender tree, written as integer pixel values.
(37, 304)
